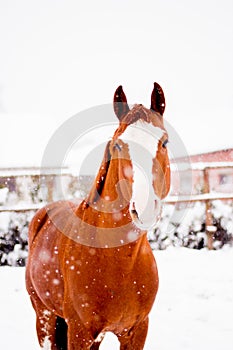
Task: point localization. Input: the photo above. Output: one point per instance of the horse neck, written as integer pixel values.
(112, 189)
(105, 214)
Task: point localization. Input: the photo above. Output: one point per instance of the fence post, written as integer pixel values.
(209, 227)
(50, 187)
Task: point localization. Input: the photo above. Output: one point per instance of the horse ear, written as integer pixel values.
(157, 99)
(120, 104)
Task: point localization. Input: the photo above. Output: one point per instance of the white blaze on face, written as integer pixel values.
(143, 139)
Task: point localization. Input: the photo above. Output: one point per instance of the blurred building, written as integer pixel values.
(202, 173)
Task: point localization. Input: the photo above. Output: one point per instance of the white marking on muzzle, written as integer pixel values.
(143, 139)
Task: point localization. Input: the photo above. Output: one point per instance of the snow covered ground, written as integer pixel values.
(193, 310)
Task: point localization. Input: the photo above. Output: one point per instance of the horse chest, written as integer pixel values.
(120, 285)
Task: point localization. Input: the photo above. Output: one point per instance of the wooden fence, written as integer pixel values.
(50, 182)
(207, 196)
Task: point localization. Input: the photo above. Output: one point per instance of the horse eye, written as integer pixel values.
(164, 144)
(118, 147)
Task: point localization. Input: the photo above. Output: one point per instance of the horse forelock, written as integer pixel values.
(136, 114)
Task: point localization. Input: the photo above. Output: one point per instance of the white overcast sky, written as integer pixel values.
(59, 57)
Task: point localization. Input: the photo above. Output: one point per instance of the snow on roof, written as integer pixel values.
(30, 171)
(198, 197)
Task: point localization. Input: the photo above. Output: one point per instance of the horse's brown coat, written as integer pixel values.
(110, 284)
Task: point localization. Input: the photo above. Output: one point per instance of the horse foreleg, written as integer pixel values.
(46, 329)
(135, 338)
(46, 324)
(79, 337)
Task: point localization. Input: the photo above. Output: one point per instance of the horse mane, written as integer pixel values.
(98, 185)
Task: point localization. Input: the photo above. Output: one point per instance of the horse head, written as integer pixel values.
(140, 141)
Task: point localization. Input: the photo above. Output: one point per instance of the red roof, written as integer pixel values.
(225, 155)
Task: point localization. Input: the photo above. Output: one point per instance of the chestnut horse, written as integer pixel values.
(90, 268)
